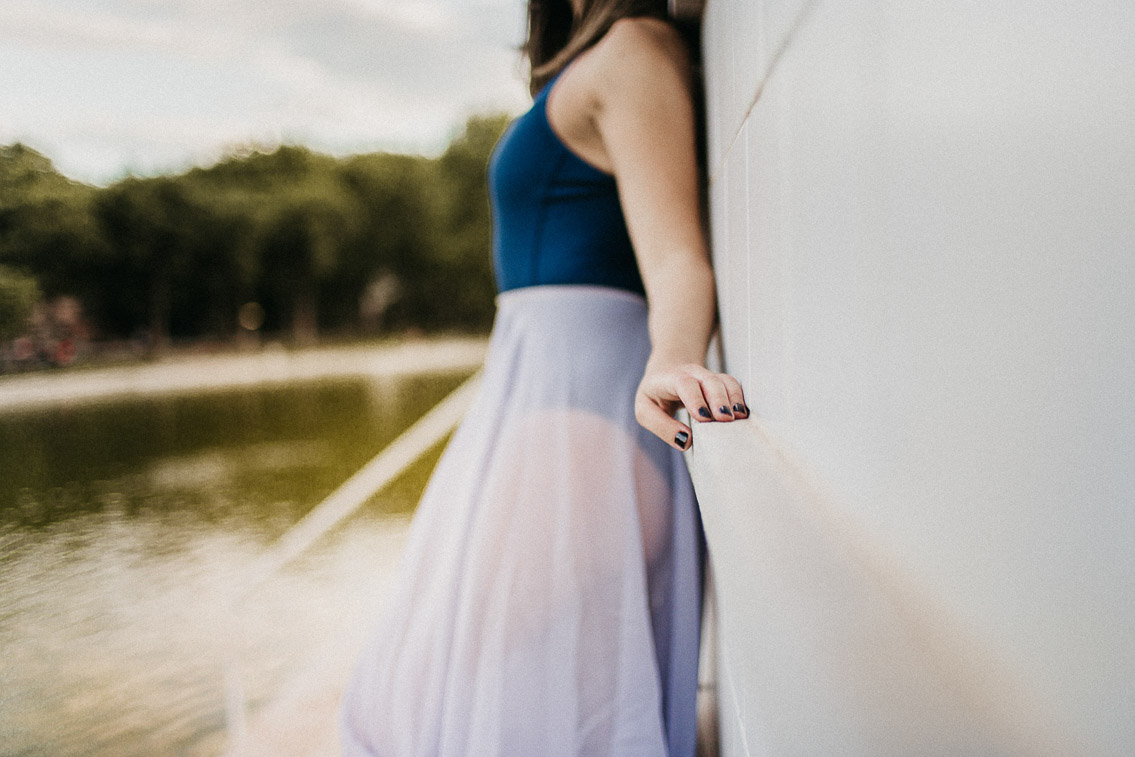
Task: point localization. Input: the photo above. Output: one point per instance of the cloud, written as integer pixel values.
(165, 84)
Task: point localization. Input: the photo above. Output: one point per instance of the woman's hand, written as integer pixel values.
(707, 396)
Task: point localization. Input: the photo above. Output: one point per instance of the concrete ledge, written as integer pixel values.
(818, 652)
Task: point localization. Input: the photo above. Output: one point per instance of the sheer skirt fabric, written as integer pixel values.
(549, 595)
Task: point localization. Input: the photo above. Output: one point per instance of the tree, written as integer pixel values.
(302, 244)
(400, 221)
(46, 226)
(150, 225)
(19, 293)
(27, 176)
(462, 255)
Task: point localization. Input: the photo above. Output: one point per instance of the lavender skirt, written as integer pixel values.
(549, 596)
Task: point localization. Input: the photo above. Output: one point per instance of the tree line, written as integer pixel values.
(290, 242)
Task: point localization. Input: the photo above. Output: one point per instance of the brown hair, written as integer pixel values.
(556, 34)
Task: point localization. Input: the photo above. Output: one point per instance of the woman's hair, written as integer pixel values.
(556, 35)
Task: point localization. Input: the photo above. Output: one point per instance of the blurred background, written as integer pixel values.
(243, 246)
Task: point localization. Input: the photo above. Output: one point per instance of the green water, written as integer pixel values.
(124, 525)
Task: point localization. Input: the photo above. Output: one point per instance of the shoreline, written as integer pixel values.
(201, 373)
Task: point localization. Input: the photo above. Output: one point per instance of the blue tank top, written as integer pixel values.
(556, 218)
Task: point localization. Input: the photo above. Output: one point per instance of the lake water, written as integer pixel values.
(123, 527)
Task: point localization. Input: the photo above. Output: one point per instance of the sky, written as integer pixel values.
(110, 87)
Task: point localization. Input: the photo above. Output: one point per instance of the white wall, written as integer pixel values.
(923, 221)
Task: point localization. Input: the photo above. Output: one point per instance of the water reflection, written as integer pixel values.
(121, 530)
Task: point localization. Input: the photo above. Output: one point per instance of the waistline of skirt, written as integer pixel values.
(568, 292)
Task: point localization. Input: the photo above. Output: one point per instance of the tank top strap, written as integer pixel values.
(544, 90)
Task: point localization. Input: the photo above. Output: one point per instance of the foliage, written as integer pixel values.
(18, 295)
(46, 225)
(374, 241)
(462, 271)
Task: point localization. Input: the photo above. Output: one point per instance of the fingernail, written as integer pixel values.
(704, 412)
(681, 438)
(724, 410)
(739, 408)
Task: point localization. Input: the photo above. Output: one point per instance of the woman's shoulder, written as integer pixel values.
(640, 52)
(644, 39)
(644, 30)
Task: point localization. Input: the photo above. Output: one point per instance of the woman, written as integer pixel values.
(549, 596)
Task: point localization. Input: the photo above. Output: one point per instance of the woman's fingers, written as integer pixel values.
(689, 391)
(660, 423)
(736, 396)
(707, 396)
(710, 396)
(716, 394)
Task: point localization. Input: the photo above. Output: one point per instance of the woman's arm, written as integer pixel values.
(645, 117)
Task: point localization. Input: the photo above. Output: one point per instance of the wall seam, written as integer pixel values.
(774, 61)
(746, 127)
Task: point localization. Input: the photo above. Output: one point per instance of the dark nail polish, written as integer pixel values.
(681, 439)
(704, 412)
(724, 410)
(739, 408)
